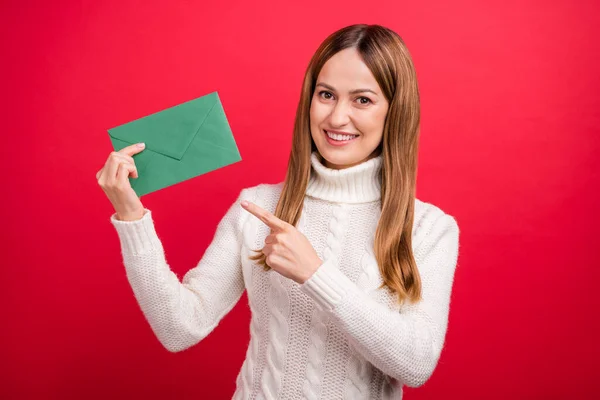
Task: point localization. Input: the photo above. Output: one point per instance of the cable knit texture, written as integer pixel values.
(336, 336)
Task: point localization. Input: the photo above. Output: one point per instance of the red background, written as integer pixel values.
(509, 146)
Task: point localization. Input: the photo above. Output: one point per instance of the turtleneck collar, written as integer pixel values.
(356, 184)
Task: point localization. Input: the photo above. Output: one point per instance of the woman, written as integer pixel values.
(353, 295)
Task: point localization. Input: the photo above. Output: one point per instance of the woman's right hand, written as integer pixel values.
(113, 179)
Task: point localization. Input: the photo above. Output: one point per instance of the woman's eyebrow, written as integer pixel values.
(351, 92)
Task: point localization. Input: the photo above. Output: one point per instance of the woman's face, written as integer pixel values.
(348, 100)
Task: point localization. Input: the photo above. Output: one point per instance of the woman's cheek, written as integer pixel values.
(316, 112)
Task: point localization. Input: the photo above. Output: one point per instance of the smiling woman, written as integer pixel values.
(348, 274)
(348, 117)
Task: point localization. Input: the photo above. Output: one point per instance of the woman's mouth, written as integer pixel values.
(338, 139)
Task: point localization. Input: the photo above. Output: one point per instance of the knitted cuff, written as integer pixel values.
(328, 285)
(137, 236)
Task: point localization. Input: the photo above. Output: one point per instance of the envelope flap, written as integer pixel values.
(216, 132)
(171, 131)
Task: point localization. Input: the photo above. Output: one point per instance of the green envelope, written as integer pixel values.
(182, 142)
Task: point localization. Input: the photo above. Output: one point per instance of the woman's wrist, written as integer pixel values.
(131, 216)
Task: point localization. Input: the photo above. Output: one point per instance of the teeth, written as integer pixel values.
(335, 136)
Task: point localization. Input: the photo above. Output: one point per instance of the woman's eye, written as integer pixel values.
(327, 96)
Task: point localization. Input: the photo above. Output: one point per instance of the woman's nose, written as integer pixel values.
(340, 115)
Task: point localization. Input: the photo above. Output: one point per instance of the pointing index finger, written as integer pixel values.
(269, 219)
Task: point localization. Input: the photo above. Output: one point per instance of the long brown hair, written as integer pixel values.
(386, 55)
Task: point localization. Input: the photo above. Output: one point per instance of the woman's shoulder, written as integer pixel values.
(424, 209)
(429, 216)
(262, 194)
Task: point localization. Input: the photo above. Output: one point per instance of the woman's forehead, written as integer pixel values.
(345, 72)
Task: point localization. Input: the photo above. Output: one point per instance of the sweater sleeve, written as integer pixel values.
(404, 345)
(183, 313)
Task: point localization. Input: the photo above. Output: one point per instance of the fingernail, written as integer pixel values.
(245, 203)
(141, 144)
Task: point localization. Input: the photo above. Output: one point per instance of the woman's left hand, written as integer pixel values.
(288, 251)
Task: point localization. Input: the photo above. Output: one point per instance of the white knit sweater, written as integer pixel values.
(334, 337)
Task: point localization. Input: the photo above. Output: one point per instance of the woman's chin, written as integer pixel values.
(337, 161)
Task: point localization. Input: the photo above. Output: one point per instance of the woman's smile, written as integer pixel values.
(336, 139)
